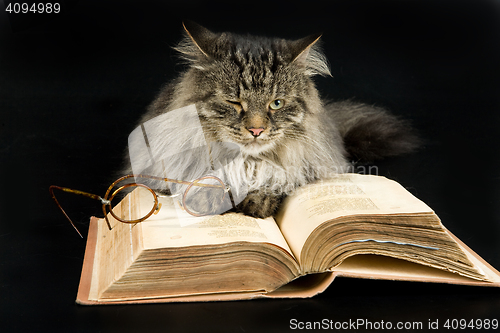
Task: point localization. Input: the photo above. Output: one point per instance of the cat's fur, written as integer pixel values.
(233, 79)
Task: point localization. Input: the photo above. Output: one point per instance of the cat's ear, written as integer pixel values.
(306, 55)
(200, 36)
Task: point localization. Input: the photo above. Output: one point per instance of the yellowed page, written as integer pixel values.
(166, 229)
(344, 195)
(371, 265)
(380, 267)
(114, 252)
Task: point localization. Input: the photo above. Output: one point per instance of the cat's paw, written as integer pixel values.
(260, 205)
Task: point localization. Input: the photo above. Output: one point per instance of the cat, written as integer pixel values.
(258, 94)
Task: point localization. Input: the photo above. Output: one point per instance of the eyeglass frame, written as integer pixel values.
(156, 207)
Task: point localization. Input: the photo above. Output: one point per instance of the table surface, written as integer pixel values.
(73, 84)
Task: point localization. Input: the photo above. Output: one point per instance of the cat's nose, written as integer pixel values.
(256, 131)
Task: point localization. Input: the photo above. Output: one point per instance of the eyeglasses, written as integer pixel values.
(203, 196)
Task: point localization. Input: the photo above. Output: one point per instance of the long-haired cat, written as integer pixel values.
(258, 94)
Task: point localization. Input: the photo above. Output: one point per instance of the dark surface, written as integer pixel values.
(73, 84)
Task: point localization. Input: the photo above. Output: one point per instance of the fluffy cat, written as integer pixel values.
(257, 93)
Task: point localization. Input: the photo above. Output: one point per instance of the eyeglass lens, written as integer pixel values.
(206, 196)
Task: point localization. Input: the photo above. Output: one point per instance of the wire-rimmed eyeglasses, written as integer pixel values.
(203, 196)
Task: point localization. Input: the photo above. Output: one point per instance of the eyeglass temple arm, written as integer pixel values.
(68, 190)
(228, 190)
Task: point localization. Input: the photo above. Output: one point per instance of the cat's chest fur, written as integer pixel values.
(284, 168)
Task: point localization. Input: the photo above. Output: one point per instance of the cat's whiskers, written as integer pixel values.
(308, 140)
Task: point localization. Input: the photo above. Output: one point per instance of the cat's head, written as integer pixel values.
(256, 92)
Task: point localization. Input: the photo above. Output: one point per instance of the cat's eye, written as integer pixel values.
(276, 104)
(236, 104)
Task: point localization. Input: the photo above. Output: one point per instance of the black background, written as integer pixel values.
(72, 86)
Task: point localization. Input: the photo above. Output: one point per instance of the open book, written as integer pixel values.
(352, 225)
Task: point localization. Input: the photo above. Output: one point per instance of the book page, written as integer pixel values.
(171, 227)
(374, 266)
(344, 195)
